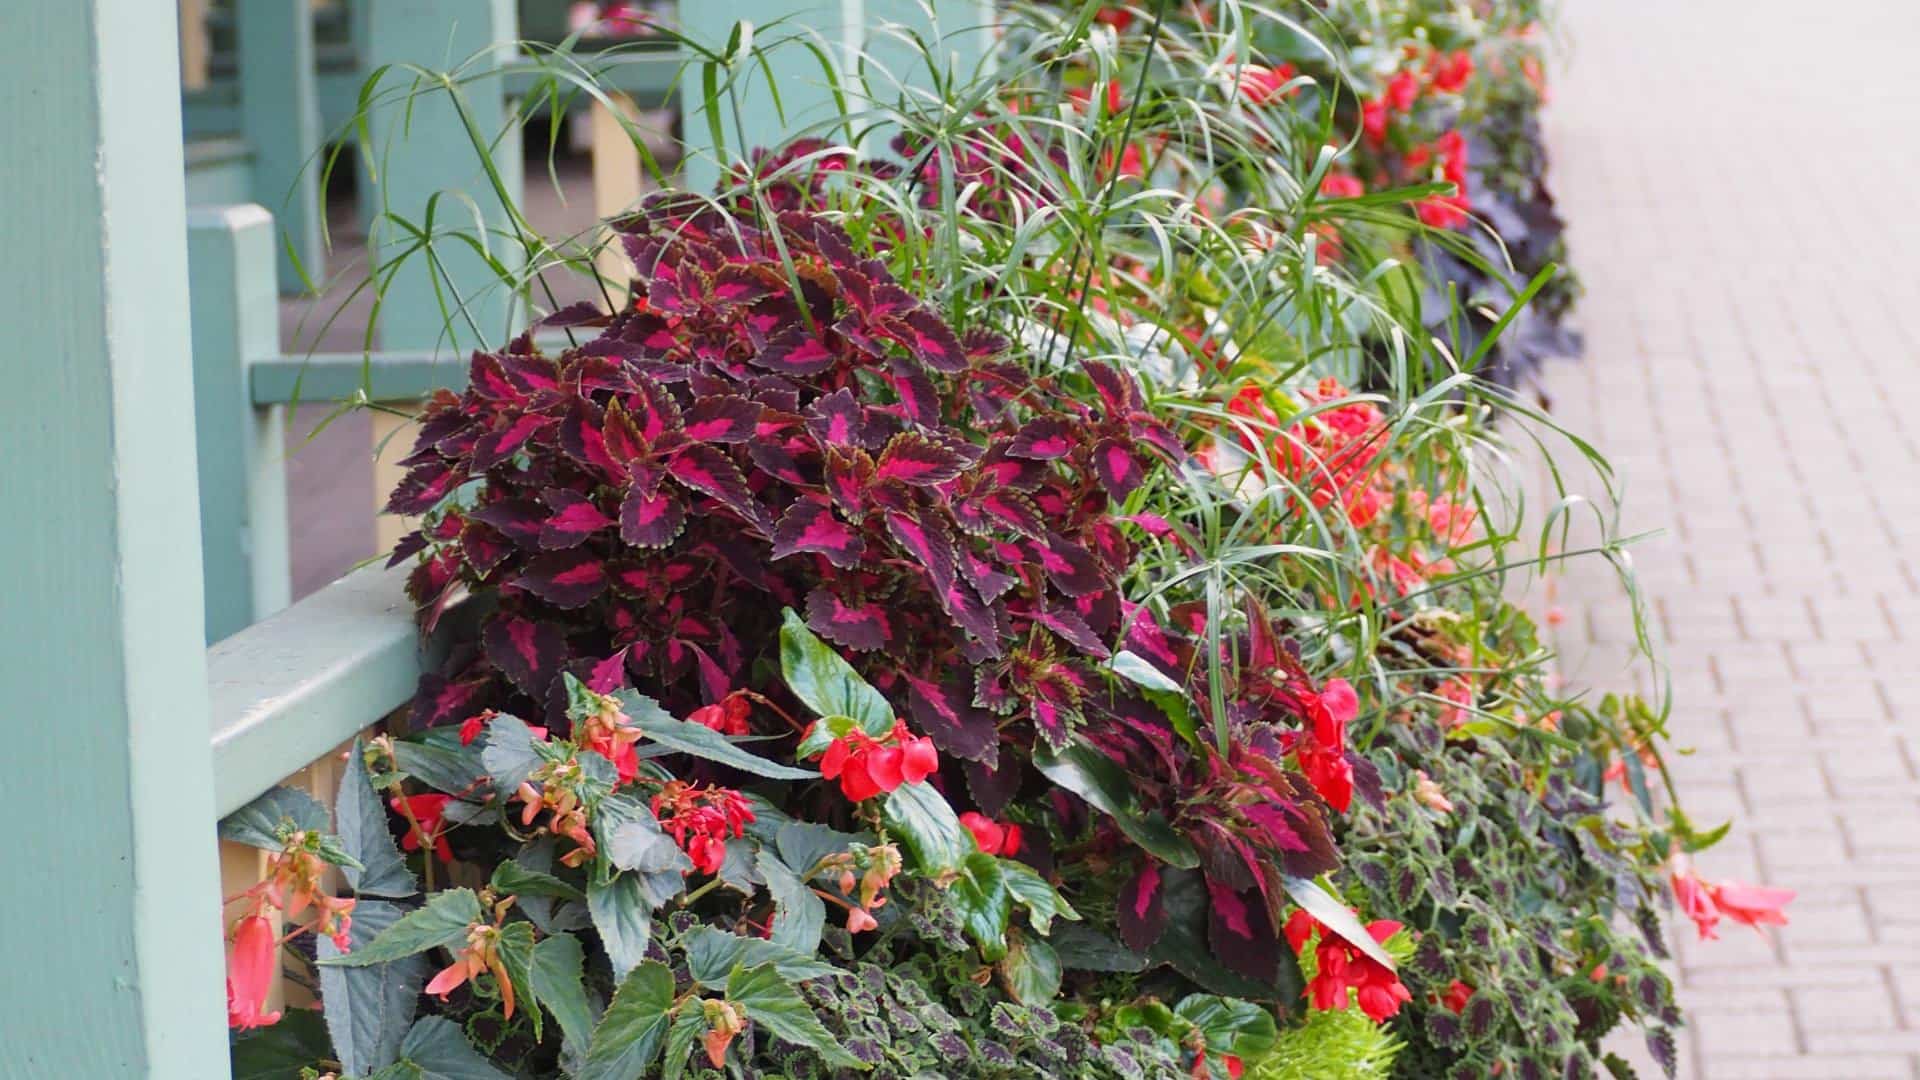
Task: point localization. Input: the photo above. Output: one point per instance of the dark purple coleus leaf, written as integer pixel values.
(1141, 909)
(796, 351)
(1119, 471)
(863, 625)
(650, 518)
(565, 579)
(410, 545)
(509, 434)
(1069, 625)
(926, 541)
(738, 286)
(574, 521)
(988, 582)
(484, 547)
(422, 489)
(528, 653)
(519, 520)
(930, 340)
(712, 472)
(810, 526)
(1068, 565)
(1240, 933)
(722, 419)
(918, 461)
(945, 713)
(918, 398)
(838, 420)
(440, 700)
(1045, 439)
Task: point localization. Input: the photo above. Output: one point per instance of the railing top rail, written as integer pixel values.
(286, 690)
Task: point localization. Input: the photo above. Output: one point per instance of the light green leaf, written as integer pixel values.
(771, 1002)
(980, 895)
(1231, 1026)
(826, 683)
(1136, 669)
(702, 742)
(1094, 777)
(1030, 971)
(440, 1051)
(516, 955)
(628, 1037)
(712, 954)
(509, 755)
(368, 1010)
(920, 814)
(1335, 916)
(558, 964)
(1042, 901)
(442, 921)
(364, 835)
(687, 1028)
(260, 822)
(624, 917)
(510, 878)
(799, 915)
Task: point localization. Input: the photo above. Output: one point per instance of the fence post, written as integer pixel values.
(242, 447)
(111, 895)
(959, 35)
(805, 90)
(424, 149)
(280, 116)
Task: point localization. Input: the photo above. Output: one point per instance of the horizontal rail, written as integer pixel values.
(292, 687)
(406, 376)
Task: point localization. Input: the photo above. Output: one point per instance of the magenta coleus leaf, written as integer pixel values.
(1070, 626)
(931, 341)
(926, 541)
(1068, 565)
(566, 579)
(990, 583)
(796, 351)
(1010, 510)
(722, 418)
(1045, 439)
(422, 489)
(484, 546)
(650, 518)
(519, 520)
(507, 437)
(1141, 909)
(529, 653)
(914, 459)
(838, 420)
(1119, 471)
(810, 526)
(1119, 394)
(738, 286)
(712, 472)
(916, 394)
(946, 714)
(439, 700)
(864, 625)
(575, 519)
(1241, 935)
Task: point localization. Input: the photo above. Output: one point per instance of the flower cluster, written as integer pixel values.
(293, 885)
(1340, 966)
(1320, 746)
(479, 955)
(560, 789)
(701, 820)
(866, 766)
(992, 837)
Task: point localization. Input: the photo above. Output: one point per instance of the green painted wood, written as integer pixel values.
(280, 118)
(111, 940)
(422, 149)
(219, 171)
(242, 455)
(341, 376)
(802, 87)
(288, 689)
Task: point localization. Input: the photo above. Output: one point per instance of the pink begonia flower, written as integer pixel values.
(250, 973)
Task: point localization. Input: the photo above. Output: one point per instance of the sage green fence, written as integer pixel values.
(127, 737)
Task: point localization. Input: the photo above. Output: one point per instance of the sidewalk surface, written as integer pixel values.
(1739, 177)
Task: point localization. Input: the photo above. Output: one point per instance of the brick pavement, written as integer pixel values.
(1738, 175)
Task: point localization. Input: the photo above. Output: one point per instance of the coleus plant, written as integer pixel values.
(776, 421)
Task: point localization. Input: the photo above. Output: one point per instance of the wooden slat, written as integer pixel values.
(287, 690)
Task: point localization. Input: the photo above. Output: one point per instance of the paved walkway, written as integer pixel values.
(1740, 175)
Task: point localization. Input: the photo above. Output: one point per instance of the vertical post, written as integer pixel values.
(959, 35)
(194, 48)
(422, 149)
(805, 89)
(616, 183)
(280, 117)
(242, 447)
(101, 662)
